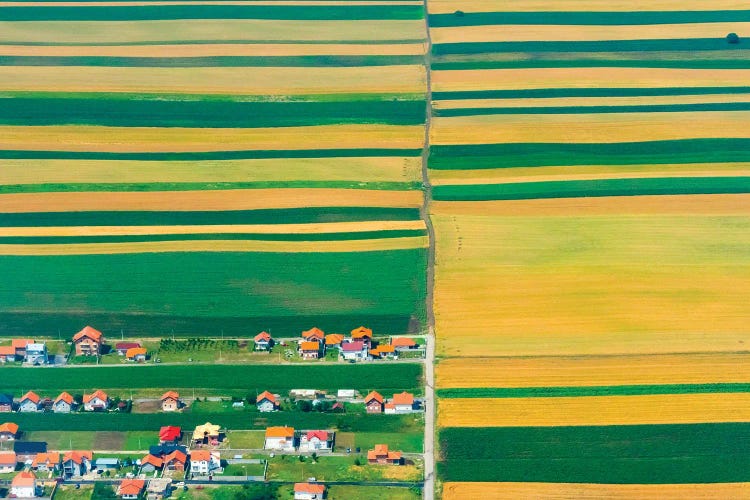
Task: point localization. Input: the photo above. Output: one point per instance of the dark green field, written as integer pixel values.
(597, 63)
(216, 61)
(587, 92)
(615, 390)
(715, 44)
(577, 110)
(637, 454)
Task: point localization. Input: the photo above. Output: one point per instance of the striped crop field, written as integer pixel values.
(591, 187)
(187, 167)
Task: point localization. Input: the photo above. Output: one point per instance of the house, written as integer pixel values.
(338, 407)
(206, 434)
(175, 461)
(151, 463)
(356, 350)
(381, 455)
(36, 354)
(306, 394)
(8, 431)
(383, 352)
(7, 461)
(46, 462)
(26, 451)
(374, 402)
(363, 334)
(163, 450)
(205, 462)
(122, 347)
(263, 341)
(88, 342)
(266, 402)
(279, 438)
(137, 354)
(6, 403)
(170, 434)
(96, 401)
(314, 334)
(309, 491)
(102, 464)
(131, 488)
(158, 489)
(334, 340)
(24, 485)
(346, 394)
(19, 345)
(63, 403)
(29, 402)
(7, 354)
(402, 343)
(170, 401)
(400, 403)
(316, 441)
(310, 350)
(76, 463)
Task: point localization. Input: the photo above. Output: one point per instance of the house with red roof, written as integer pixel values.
(310, 350)
(64, 403)
(130, 489)
(169, 434)
(29, 402)
(175, 461)
(279, 438)
(263, 341)
(137, 354)
(7, 354)
(205, 462)
(45, 462)
(122, 347)
(76, 463)
(8, 462)
(363, 334)
(24, 485)
(309, 491)
(267, 402)
(8, 431)
(88, 342)
(316, 441)
(19, 345)
(356, 350)
(374, 402)
(151, 463)
(170, 401)
(314, 334)
(403, 343)
(400, 403)
(96, 401)
(381, 455)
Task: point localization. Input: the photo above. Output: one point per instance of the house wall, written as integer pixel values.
(6, 436)
(266, 406)
(61, 407)
(23, 491)
(279, 444)
(4, 469)
(27, 406)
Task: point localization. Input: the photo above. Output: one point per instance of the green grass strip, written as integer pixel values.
(575, 110)
(587, 92)
(595, 63)
(626, 454)
(588, 18)
(572, 392)
(215, 61)
(204, 155)
(168, 12)
(202, 186)
(593, 188)
(622, 153)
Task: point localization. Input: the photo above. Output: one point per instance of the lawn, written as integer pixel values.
(71, 493)
(290, 468)
(245, 439)
(408, 442)
(244, 470)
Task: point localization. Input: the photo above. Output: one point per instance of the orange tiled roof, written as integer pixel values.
(200, 455)
(313, 489)
(374, 395)
(7, 350)
(9, 427)
(64, 396)
(285, 432)
(131, 486)
(170, 395)
(310, 346)
(31, 396)
(262, 336)
(96, 394)
(89, 332)
(334, 339)
(77, 456)
(403, 398)
(8, 458)
(383, 349)
(360, 332)
(314, 332)
(176, 455)
(402, 342)
(24, 479)
(265, 395)
(135, 351)
(151, 459)
(51, 457)
(21, 343)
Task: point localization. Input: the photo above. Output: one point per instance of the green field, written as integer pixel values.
(214, 61)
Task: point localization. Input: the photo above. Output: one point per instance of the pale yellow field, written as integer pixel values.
(705, 204)
(590, 101)
(146, 139)
(562, 371)
(594, 410)
(589, 128)
(207, 200)
(218, 246)
(570, 33)
(219, 49)
(576, 491)
(214, 80)
(209, 30)
(362, 169)
(538, 173)
(540, 78)
(450, 6)
(329, 227)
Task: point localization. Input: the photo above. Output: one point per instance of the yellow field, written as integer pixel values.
(217, 246)
(589, 128)
(219, 49)
(450, 6)
(209, 30)
(594, 410)
(175, 139)
(562, 371)
(574, 491)
(362, 169)
(570, 33)
(540, 78)
(237, 199)
(214, 80)
(329, 227)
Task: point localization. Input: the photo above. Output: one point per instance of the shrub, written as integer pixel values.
(459, 13)
(733, 38)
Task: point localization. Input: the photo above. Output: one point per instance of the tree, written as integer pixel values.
(459, 13)
(357, 462)
(305, 406)
(733, 38)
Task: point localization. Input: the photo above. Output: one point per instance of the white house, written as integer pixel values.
(400, 403)
(7, 461)
(76, 463)
(63, 403)
(36, 354)
(355, 350)
(29, 402)
(315, 441)
(266, 402)
(98, 401)
(308, 491)
(204, 462)
(279, 438)
(24, 485)
(263, 341)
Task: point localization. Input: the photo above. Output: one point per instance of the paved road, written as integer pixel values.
(429, 422)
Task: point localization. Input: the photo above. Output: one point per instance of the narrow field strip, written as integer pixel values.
(178, 139)
(226, 155)
(215, 61)
(612, 92)
(591, 391)
(646, 46)
(595, 371)
(212, 246)
(656, 108)
(569, 491)
(240, 81)
(131, 3)
(707, 62)
(210, 186)
(553, 102)
(536, 6)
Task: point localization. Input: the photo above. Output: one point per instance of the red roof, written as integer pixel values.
(9, 427)
(21, 343)
(402, 342)
(65, 397)
(7, 350)
(355, 346)
(77, 456)
(24, 479)
(314, 332)
(126, 345)
(89, 332)
(31, 396)
(266, 395)
(403, 398)
(361, 332)
(169, 433)
(8, 458)
(176, 455)
(151, 459)
(381, 451)
(315, 489)
(322, 435)
(96, 394)
(200, 455)
(262, 336)
(385, 349)
(170, 395)
(374, 395)
(131, 486)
